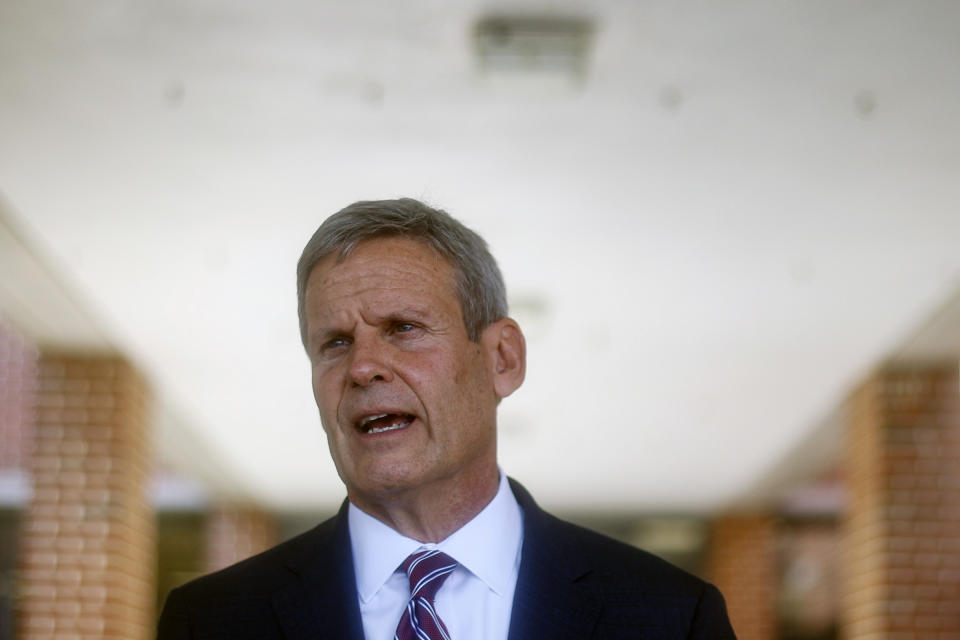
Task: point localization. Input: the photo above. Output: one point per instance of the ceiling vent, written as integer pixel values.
(534, 49)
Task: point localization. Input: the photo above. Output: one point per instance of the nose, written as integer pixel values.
(369, 361)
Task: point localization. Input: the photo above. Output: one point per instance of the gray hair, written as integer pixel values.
(483, 296)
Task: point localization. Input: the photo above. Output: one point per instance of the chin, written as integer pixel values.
(382, 481)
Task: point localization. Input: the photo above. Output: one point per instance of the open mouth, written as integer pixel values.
(383, 422)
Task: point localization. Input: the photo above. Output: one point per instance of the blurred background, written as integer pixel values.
(730, 230)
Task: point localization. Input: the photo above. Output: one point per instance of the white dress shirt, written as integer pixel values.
(476, 599)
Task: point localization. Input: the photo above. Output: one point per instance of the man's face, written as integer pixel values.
(406, 399)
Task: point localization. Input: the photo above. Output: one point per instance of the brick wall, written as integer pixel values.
(742, 562)
(234, 533)
(902, 529)
(18, 381)
(88, 546)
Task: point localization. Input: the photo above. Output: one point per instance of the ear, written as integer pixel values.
(506, 351)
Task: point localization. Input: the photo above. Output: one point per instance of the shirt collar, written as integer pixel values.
(488, 546)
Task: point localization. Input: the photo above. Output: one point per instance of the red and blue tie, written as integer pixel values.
(427, 570)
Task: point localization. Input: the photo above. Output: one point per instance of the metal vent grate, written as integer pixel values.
(533, 46)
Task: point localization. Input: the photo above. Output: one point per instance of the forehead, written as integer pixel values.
(394, 267)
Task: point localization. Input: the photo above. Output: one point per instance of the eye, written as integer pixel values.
(333, 344)
(404, 331)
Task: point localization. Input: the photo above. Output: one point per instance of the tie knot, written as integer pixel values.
(427, 570)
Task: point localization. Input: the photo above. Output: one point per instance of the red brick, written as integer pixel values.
(89, 513)
(234, 533)
(902, 455)
(742, 563)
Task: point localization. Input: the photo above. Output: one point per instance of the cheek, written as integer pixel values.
(315, 383)
(467, 367)
(469, 394)
(324, 396)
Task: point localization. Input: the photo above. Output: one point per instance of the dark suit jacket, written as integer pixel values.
(573, 583)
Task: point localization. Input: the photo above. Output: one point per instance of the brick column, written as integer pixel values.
(18, 382)
(742, 563)
(902, 529)
(88, 549)
(234, 533)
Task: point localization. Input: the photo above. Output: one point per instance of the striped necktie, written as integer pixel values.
(427, 569)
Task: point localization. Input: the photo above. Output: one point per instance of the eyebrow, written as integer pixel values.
(409, 313)
(325, 332)
(420, 314)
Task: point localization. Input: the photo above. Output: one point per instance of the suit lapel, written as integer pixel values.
(322, 603)
(549, 602)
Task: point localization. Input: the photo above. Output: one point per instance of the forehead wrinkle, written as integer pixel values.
(364, 280)
(373, 305)
(362, 266)
(335, 285)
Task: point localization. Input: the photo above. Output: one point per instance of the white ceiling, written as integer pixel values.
(745, 207)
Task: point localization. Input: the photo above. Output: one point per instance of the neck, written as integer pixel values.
(432, 512)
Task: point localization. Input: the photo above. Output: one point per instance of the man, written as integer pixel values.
(403, 315)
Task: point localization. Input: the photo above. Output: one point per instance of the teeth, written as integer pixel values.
(399, 425)
(387, 422)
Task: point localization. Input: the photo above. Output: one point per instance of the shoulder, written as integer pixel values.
(630, 589)
(238, 601)
(594, 553)
(617, 564)
(265, 571)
